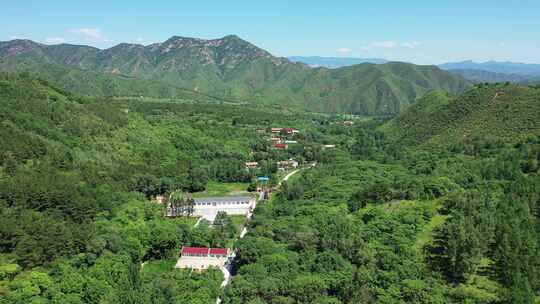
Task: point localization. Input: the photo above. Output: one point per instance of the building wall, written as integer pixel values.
(200, 263)
(209, 211)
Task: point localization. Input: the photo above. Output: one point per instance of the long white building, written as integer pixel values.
(208, 207)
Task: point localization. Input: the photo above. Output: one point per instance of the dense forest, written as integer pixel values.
(76, 178)
(414, 227)
(445, 209)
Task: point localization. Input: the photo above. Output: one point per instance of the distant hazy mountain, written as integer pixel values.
(487, 76)
(334, 62)
(228, 68)
(496, 67)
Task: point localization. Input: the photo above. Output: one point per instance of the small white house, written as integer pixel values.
(287, 164)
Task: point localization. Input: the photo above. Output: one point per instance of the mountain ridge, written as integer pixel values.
(334, 62)
(233, 69)
(488, 71)
(507, 67)
(477, 76)
(489, 112)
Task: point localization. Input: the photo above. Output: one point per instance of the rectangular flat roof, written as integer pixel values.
(223, 199)
(220, 251)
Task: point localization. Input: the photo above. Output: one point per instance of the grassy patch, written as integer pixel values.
(190, 221)
(426, 236)
(157, 267)
(293, 177)
(223, 189)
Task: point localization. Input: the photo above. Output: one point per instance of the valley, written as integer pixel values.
(194, 152)
(413, 208)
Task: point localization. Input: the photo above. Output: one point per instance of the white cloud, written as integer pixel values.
(344, 50)
(15, 37)
(140, 40)
(54, 40)
(90, 34)
(411, 45)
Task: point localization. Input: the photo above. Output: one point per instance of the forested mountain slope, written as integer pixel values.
(76, 179)
(383, 224)
(228, 68)
(491, 112)
(370, 223)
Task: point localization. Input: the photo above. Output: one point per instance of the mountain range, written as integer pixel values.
(506, 67)
(229, 69)
(490, 71)
(334, 62)
(477, 76)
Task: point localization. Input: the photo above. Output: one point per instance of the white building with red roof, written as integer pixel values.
(201, 258)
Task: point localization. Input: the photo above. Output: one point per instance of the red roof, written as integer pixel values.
(281, 146)
(220, 251)
(288, 130)
(203, 251)
(195, 250)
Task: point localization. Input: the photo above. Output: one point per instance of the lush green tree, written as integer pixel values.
(181, 204)
(224, 225)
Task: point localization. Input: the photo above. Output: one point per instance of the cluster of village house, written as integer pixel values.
(281, 139)
(201, 258)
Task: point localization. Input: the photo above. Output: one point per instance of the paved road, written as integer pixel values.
(198, 222)
(286, 178)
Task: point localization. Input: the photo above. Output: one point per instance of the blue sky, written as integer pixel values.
(424, 32)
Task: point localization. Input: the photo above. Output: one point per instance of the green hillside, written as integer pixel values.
(77, 175)
(227, 68)
(371, 222)
(489, 112)
(88, 83)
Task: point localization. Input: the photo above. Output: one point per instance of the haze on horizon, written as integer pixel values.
(422, 32)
